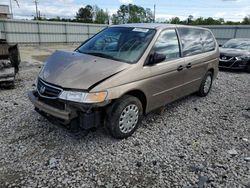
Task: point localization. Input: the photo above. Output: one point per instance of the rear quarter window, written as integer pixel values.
(208, 41)
(195, 41)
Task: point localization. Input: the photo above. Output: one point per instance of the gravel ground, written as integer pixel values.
(196, 142)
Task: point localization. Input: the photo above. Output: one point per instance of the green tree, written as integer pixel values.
(101, 16)
(149, 15)
(246, 20)
(175, 20)
(132, 14)
(198, 21)
(85, 14)
(190, 19)
(115, 19)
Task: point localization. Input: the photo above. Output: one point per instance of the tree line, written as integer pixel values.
(136, 14)
(207, 21)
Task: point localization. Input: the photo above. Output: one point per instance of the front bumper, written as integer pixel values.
(87, 116)
(233, 64)
(65, 115)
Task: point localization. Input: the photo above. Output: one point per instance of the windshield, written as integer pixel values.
(125, 44)
(238, 44)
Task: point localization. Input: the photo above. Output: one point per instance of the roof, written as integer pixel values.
(145, 25)
(154, 25)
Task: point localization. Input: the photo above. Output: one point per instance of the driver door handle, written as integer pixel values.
(189, 65)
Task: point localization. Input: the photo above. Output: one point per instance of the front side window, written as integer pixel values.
(168, 44)
(126, 44)
(190, 41)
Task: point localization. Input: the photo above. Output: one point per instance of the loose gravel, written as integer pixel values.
(196, 142)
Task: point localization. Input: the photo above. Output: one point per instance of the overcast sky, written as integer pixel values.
(233, 10)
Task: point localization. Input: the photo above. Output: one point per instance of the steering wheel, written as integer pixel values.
(132, 45)
(107, 40)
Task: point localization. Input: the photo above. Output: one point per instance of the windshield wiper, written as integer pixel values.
(99, 54)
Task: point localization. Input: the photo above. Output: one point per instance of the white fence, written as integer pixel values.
(36, 32)
(225, 32)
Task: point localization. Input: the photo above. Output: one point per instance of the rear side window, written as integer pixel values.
(207, 41)
(190, 41)
(168, 44)
(196, 41)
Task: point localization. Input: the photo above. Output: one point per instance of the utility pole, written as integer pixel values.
(11, 11)
(154, 13)
(128, 12)
(36, 2)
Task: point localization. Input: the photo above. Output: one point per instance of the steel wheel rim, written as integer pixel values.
(128, 118)
(207, 84)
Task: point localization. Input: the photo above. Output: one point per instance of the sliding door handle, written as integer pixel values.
(189, 65)
(180, 68)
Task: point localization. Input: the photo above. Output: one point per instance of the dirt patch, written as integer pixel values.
(41, 58)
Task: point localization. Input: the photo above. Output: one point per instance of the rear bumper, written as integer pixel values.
(66, 115)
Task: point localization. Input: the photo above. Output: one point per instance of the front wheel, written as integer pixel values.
(248, 68)
(206, 84)
(124, 117)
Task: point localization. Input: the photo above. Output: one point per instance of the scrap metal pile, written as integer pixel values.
(9, 63)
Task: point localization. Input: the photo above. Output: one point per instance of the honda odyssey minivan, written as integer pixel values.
(123, 72)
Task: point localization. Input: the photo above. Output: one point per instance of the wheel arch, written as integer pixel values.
(212, 71)
(140, 95)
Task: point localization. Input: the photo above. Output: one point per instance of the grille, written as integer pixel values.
(226, 58)
(47, 90)
(225, 64)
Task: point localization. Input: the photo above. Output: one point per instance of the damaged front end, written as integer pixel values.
(50, 101)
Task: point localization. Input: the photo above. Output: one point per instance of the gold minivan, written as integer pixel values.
(123, 72)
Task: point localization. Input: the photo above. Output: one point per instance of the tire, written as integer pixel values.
(124, 117)
(248, 68)
(206, 85)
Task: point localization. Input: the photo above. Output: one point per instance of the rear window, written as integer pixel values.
(195, 41)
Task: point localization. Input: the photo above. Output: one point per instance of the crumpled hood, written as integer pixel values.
(78, 71)
(231, 52)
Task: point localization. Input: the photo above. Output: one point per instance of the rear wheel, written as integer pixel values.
(124, 117)
(206, 84)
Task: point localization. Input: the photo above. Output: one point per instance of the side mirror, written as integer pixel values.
(156, 58)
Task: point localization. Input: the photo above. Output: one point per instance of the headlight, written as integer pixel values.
(244, 57)
(82, 97)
